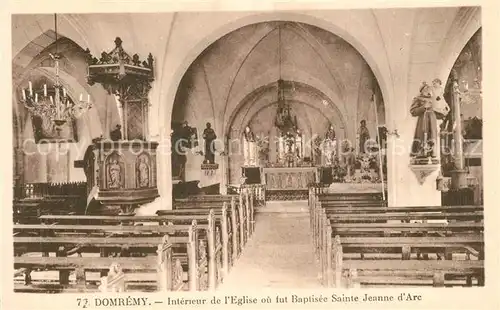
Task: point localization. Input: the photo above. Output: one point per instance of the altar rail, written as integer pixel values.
(39, 190)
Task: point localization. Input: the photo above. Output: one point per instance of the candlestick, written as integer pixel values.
(31, 88)
(64, 92)
(24, 94)
(51, 99)
(36, 97)
(81, 97)
(88, 98)
(45, 90)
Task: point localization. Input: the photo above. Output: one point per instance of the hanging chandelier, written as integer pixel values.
(284, 120)
(53, 103)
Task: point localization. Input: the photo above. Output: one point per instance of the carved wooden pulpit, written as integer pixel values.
(120, 173)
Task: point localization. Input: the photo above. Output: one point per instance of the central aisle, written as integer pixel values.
(279, 254)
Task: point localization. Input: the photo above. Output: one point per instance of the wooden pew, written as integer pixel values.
(401, 229)
(316, 212)
(208, 198)
(374, 214)
(351, 223)
(318, 198)
(242, 205)
(405, 216)
(336, 265)
(337, 197)
(232, 223)
(378, 209)
(375, 209)
(207, 248)
(257, 191)
(407, 245)
(27, 211)
(335, 217)
(34, 199)
(217, 236)
(237, 212)
(184, 239)
(243, 201)
(167, 272)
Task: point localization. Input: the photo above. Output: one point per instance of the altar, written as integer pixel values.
(288, 183)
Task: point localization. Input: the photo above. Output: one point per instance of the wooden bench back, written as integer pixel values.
(167, 271)
(378, 208)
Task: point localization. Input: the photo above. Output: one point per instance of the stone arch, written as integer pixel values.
(380, 68)
(253, 96)
(254, 103)
(308, 38)
(371, 50)
(29, 66)
(300, 106)
(69, 26)
(466, 23)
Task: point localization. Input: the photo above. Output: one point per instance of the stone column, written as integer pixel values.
(459, 175)
(164, 168)
(224, 169)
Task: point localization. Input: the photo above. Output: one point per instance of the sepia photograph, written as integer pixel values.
(212, 151)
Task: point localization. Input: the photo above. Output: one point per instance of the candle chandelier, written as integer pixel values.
(284, 120)
(53, 103)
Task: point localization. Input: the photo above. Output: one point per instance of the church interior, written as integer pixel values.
(195, 151)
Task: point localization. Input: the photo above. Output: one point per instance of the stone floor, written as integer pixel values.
(279, 254)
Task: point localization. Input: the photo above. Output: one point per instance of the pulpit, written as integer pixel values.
(120, 173)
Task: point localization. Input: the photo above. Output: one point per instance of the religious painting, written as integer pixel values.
(115, 172)
(143, 171)
(46, 131)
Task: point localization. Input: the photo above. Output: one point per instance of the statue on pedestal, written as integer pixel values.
(329, 146)
(349, 159)
(363, 137)
(298, 145)
(281, 148)
(209, 136)
(428, 108)
(249, 147)
(330, 134)
(317, 150)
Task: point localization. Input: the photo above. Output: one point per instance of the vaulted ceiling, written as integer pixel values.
(235, 77)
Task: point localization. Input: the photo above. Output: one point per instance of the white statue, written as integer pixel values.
(329, 146)
(281, 147)
(249, 147)
(298, 145)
